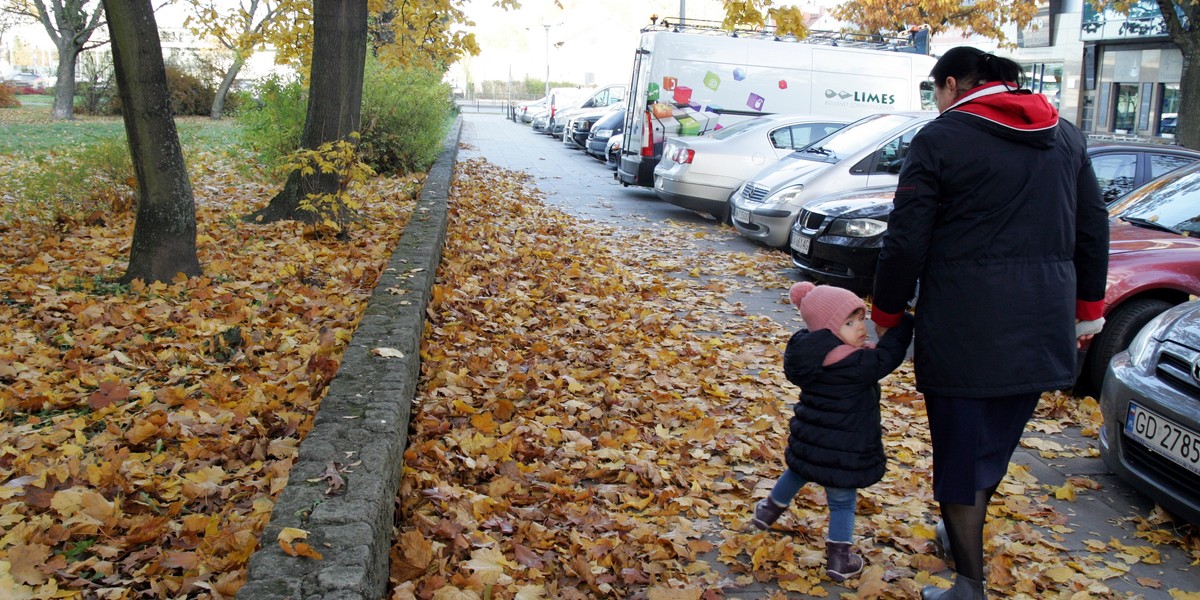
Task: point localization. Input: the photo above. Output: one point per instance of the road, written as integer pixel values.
(1108, 516)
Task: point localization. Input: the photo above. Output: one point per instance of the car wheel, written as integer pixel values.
(1119, 328)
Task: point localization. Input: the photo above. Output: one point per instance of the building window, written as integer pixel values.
(1125, 108)
(1168, 108)
(1046, 79)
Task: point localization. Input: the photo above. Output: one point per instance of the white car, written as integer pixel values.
(699, 173)
(865, 153)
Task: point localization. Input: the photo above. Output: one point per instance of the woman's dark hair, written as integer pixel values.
(973, 67)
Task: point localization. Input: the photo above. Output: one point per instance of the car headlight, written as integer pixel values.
(1141, 349)
(787, 195)
(603, 133)
(859, 228)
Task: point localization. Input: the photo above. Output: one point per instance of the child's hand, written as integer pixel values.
(1086, 330)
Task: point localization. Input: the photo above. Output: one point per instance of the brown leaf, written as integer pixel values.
(25, 560)
(411, 556)
(110, 392)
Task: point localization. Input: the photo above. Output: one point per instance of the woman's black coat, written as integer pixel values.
(1005, 230)
(835, 437)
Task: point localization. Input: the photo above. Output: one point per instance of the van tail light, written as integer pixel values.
(648, 136)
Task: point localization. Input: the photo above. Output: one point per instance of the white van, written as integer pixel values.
(693, 80)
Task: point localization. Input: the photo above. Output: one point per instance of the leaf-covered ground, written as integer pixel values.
(144, 431)
(596, 419)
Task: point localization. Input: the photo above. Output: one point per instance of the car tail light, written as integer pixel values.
(685, 156)
(648, 136)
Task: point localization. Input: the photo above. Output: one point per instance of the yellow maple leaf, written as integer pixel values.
(489, 564)
(1065, 492)
(1060, 574)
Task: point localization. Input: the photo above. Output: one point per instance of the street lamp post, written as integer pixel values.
(547, 61)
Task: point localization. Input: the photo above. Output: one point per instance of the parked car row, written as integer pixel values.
(588, 120)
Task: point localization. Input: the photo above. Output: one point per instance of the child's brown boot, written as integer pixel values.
(841, 563)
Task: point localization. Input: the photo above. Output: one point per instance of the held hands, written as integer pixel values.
(1086, 330)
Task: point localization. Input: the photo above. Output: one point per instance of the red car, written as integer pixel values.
(1153, 264)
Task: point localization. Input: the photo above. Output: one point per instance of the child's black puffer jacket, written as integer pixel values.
(835, 438)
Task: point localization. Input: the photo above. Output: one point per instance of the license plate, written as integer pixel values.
(741, 214)
(1164, 437)
(801, 243)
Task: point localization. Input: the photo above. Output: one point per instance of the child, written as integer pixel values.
(835, 437)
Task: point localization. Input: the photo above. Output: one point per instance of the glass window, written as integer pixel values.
(1174, 204)
(1125, 111)
(799, 136)
(928, 102)
(1161, 164)
(1115, 173)
(740, 126)
(1168, 109)
(852, 138)
(891, 156)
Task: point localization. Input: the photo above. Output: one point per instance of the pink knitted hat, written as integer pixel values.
(824, 307)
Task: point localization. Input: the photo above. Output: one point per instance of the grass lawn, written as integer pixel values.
(29, 129)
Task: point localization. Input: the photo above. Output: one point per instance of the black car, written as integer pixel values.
(837, 239)
(581, 125)
(608, 126)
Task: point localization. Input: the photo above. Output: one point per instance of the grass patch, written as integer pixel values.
(29, 130)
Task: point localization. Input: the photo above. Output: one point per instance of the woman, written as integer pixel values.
(999, 216)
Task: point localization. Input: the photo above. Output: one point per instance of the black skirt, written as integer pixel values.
(973, 441)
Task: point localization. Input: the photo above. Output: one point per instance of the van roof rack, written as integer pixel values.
(815, 36)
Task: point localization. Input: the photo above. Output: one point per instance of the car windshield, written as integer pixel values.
(739, 127)
(1169, 203)
(851, 138)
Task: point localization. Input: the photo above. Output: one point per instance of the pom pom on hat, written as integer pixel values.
(824, 307)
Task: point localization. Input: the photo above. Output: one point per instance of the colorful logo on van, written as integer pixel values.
(712, 81)
(861, 96)
(755, 101)
(739, 74)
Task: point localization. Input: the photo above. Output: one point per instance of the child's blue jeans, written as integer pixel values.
(841, 504)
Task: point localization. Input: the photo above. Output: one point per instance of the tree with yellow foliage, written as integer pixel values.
(239, 30)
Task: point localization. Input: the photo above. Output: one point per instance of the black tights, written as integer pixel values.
(964, 526)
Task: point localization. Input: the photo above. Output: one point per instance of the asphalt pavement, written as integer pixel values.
(584, 187)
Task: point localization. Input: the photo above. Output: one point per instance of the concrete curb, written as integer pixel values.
(362, 426)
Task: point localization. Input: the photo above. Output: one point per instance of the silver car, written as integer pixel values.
(865, 153)
(699, 173)
(1151, 407)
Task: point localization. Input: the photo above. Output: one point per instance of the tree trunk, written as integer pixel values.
(1187, 129)
(164, 236)
(218, 105)
(334, 99)
(64, 87)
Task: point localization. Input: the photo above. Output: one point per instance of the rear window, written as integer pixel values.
(739, 127)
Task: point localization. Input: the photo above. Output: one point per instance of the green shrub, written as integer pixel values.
(82, 184)
(273, 120)
(403, 118)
